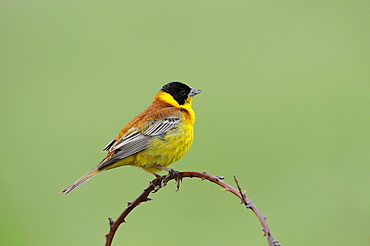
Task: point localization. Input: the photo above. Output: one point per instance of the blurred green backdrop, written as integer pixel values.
(285, 107)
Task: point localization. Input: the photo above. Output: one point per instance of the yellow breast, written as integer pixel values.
(167, 149)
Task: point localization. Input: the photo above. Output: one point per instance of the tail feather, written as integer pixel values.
(80, 181)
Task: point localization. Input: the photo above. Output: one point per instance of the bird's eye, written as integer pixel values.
(183, 93)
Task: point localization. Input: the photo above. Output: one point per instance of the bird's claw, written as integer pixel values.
(175, 175)
(172, 174)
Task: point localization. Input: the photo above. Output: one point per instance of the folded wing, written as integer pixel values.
(135, 141)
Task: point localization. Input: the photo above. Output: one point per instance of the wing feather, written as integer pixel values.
(136, 141)
(161, 127)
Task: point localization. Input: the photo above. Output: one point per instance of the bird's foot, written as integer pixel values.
(172, 174)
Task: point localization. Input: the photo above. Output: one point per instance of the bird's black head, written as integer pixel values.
(178, 91)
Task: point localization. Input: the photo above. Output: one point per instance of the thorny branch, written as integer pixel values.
(161, 181)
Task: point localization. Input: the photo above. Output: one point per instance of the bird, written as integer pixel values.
(155, 138)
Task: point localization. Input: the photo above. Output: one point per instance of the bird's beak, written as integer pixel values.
(194, 92)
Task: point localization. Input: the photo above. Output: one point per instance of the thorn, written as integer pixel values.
(110, 221)
(129, 203)
(276, 243)
(147, 199)
(264, 233)
(220, 177)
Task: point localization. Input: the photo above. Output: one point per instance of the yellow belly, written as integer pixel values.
(165, 150)
(162, 151)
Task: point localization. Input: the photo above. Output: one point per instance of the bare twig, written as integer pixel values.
(249, 204)
(161, 181)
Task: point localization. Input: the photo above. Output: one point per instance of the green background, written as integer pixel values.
(285, 107)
